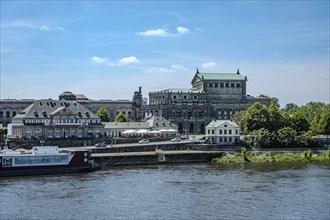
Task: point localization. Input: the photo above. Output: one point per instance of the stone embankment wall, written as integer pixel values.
(170, 153)
(155, 154)
(156, 158)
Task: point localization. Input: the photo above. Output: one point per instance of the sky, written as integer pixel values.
(108, 49)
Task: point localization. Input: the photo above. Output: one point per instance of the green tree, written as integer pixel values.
(255, 118)
(286, 137)
(263, 138)
(305, 140)
(3, 132)
(237, 116)
(314, 128)
(276, 119)
(324, 123)
(290, 107)
(121, 117)
(299, 122)
(103, 114)
(311, 109)
(274, 101)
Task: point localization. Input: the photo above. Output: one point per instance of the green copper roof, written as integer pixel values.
(183, 90)
(221, 76)
(217, 123)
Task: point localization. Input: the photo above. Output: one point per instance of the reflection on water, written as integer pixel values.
(188, 191)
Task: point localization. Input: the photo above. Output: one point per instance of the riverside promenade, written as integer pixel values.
(165, 152)
(154, 157)
(154, 153)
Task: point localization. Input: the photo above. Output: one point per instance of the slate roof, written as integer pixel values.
(42, 109)
(157, 121)
(217, 123)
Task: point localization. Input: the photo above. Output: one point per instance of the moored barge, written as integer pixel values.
(44, 160)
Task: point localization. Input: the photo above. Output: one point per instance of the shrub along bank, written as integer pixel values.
(259, 156)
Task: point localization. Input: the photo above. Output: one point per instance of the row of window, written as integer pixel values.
(62, 121)
(62, 159)
(224, 131)
(58, 133)
(30, 160)
(66, 133)
(7, 114)
(224, 85)
(175, 96)
(227, 140)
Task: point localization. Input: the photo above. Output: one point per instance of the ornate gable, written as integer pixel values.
(196, 78)
(63, 111)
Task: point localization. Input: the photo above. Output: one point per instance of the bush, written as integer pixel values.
(308, 154)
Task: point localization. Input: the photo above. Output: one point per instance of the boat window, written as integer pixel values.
(7, 162)
(29, 160)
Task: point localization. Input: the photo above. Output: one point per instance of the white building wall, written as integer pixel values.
(225, 134)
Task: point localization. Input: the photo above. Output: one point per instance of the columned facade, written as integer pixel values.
(213, 96)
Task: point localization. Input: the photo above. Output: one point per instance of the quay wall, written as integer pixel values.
(172, 153)
(167, 147)
(155, 158)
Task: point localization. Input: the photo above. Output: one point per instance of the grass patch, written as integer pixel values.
(306, 156)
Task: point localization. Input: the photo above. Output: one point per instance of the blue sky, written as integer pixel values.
(107, 49)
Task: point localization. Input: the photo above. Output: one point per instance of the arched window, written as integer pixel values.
(191, 128)
(28, 133)
(37, 132)
(14, 113)
(1, 114)
(180, 128)
(202, 128)
(8, 114)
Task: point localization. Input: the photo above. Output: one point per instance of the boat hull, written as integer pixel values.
(46, 163)
(45, 171)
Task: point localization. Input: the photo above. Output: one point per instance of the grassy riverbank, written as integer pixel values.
(270, 156)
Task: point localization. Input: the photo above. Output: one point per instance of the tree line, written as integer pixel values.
(104, 115)
(291, 126)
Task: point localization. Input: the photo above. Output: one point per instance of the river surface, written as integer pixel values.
(184, 191)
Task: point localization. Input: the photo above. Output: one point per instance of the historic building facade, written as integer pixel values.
(9, 108)
(224, 132)
(212, 96)
(46, 119)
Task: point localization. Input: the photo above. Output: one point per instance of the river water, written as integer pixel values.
(184, 191)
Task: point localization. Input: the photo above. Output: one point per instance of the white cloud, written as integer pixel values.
(179, 67)
(121, 62)
(208, 65)
(128, 60)
(175, 68)
(59, 28)
(47, 28)
(161, 32)
(96, 59)
(155, 32)
(158, 70)
(182, 30)
(44, 28)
